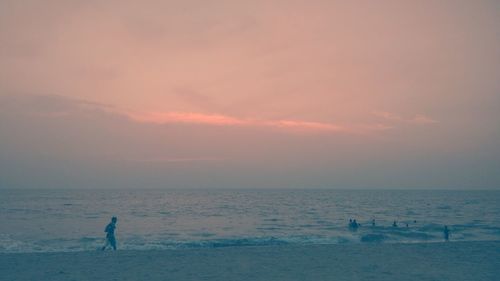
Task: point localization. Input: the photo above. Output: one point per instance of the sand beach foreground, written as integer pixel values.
(424, 261)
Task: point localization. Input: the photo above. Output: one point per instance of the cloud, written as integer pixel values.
(178, 160)
(294, 124)
(185, 117)
(416, 119)
(225, 120)
(54, 106)
(288, 125)
(422, 119)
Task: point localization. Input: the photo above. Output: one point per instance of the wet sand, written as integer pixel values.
(455, 261)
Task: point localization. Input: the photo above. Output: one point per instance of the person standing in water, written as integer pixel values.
(110, 234)
(446, 233)
(355, 224)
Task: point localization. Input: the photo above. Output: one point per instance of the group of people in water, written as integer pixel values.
(353, 225)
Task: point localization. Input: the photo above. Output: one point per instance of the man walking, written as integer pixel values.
(110, 234)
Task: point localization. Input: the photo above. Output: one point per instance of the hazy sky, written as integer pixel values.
(193, 93)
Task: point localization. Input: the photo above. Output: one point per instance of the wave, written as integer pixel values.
(373, 238)
(94, 244)
(207, 239)
(10, 245)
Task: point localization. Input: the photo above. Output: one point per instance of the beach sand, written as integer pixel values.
(455, 261)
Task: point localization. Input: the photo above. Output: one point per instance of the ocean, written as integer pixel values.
(74, 220)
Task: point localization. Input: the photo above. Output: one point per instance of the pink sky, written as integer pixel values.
(420, 75)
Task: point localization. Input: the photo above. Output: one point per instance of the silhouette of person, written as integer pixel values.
(446, 233)
(353, 225)
(110, 234)
(394, 224)
(373, 222)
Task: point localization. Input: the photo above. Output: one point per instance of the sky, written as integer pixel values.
(250, 94)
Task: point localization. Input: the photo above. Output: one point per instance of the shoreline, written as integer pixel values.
(229, 246)
(384, 261)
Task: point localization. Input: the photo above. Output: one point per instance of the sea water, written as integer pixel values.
(74, 220)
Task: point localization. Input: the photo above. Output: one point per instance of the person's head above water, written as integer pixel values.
(114, 219)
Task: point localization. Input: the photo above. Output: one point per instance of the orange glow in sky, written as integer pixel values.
(388, 87)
